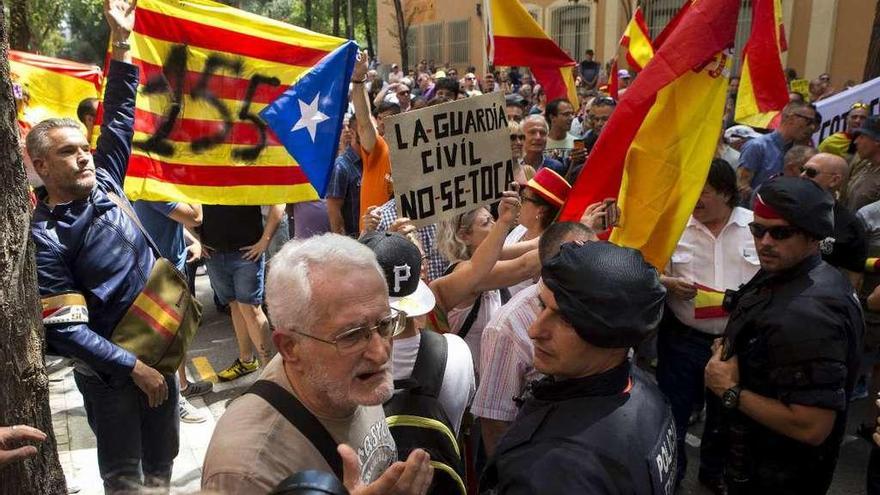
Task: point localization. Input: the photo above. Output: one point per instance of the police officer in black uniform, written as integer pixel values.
(789, 358)
(595, 425)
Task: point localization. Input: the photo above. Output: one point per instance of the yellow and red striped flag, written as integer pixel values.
(207, 70)
(637, 42)
(54, 86)
(708, 303)
(763, 90)
(655, 151)
(516, 39)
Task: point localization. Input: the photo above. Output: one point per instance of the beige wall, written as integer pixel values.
(823, 35)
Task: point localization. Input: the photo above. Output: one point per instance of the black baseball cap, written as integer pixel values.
(401, 262)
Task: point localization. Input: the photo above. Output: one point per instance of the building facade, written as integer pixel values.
(823, 35)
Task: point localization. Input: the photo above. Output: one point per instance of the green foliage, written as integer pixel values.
(76, 30)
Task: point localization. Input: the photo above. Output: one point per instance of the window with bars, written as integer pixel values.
(459, 41)
(412, 46)
(570, 28)
(432, 41)
(658, 13)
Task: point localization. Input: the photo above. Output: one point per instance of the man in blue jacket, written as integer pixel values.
(92, 262)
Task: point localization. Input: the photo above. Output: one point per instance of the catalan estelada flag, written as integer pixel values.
(54, 87)
(763, 90)
(207, 71)
(516, 39)
(637, 42)
(708, 303)
(655, 151)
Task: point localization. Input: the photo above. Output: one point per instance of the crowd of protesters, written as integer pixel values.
(495, 351)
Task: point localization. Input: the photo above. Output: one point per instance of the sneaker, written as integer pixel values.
(196, 389)
(189, 414)
(238, 369)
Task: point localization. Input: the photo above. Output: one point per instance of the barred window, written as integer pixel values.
(432, 40)
(459, 41)
(570, 28)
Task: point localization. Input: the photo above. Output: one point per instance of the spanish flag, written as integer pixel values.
(655, 151)
(53, 86)
(763, 90)
(637, 42)
(708, 303)
(515, 38)
(207, 70)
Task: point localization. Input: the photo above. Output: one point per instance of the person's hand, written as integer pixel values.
(254, 251)
(371, 219)
(875, 436)
(412, 477)
(361, 65)
(679, 287)
(402, 225)
(12, 436)
(577, 156)
(721, 375)
(151, 382)
(594, 215)
(120, 18)
(745, 193)
(194, 251)
(508, 208)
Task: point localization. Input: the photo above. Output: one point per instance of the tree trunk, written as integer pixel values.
(402, 28)
(336, 17)
(872, 64)
(308, 8)
(24, 386)
(365, 4)
(19, 25)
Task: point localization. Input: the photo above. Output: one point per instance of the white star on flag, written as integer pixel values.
(310, 116)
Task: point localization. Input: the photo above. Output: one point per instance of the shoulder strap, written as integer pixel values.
(125, 206)
(300, 417)
(471, 317)
(430, 365)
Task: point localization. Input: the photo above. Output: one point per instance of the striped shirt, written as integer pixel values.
(506, 357)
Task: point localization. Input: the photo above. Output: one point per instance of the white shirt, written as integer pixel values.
(489, 306)
(723, 263)
(459, 383)
(514, 237)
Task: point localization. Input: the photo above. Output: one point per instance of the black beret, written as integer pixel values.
(609, 294)
(799, 201)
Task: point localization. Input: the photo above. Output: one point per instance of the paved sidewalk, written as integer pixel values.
(76, 443)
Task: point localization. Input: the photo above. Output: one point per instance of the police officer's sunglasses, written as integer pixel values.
(778, 232)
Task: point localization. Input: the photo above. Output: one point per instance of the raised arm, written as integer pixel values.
(366, 129)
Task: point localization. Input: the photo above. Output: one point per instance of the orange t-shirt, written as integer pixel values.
(375, 190)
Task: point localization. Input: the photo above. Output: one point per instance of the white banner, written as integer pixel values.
(450, 158)
(835, 108)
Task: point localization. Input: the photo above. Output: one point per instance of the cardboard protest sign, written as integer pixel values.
(449, 158)
(834, 109)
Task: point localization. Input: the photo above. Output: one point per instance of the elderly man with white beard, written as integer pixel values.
(318, 404)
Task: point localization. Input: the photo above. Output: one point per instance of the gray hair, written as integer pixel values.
(293, 270)
(799, 154)
(536, 118)
(38, 138)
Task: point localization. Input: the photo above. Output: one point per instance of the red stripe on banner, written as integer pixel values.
(215, 175)
(155, 325)
(69, 68)
(709, 312)
(222, 86)
(179, 30)
(159, 302)
(49, 311)
(762, 55)
(532, 52)
(187, 130)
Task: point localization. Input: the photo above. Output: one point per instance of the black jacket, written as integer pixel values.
(611, 433)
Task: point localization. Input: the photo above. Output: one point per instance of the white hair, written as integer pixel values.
(293, 270)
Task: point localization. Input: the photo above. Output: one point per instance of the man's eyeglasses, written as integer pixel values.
(778, 232)
(811, 119)
(810, 172)
(356, 339)
(604, 100)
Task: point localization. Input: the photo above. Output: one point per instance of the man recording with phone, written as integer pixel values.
(790, 355)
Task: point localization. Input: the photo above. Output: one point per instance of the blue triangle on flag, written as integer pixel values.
(307, 118)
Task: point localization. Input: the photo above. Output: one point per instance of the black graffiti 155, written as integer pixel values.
(172, 82)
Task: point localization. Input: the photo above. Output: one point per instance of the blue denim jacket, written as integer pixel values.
(92, 248)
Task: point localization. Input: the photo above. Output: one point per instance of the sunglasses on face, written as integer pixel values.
(859, 106)
(811, 120)
(779, 232)
(810, 172)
